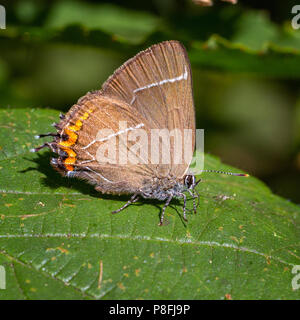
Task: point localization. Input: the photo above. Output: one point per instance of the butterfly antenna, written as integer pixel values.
(229, 173)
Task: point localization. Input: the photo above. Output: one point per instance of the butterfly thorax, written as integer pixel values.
(163, 188)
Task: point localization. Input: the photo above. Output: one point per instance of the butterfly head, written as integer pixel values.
(190, 181)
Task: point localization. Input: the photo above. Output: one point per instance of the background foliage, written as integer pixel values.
(246, 69)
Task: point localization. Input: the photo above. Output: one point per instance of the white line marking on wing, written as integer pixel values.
(155, 84)
(114, 135)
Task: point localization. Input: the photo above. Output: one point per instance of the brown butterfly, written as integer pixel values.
(151, 91)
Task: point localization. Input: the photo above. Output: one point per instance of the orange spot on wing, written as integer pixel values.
(79, 123)
(69, 161)
(76, 127)
(70, 152)
(85, 116)
(73, 128)
(69, 167)
(72, 138)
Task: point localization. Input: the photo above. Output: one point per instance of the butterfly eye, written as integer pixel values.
(189, 181)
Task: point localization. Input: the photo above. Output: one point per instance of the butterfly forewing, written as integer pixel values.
(158, 84)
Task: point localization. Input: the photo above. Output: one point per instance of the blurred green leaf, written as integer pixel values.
(256, 46)
(123, 24)
(3, 71)
(220, 54)
(216, 53)
(296, 124)
(255, 30)
(27, 10)
(58, 235)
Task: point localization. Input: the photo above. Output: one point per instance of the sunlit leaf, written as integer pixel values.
(57, 235)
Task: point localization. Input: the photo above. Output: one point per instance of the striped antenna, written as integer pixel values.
(229, 173)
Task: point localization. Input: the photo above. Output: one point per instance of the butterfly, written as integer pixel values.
(151, 92)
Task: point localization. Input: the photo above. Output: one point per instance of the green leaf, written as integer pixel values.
(256, 31)
(216, 53)
(3, 71)
(123, 24)
(59, 240)
(220, 54)
(253, 44)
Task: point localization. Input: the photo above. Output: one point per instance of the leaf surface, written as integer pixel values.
(59, 240)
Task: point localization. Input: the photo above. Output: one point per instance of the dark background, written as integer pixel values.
(53, 52)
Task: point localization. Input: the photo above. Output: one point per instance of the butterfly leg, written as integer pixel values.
(45, 145)
(194, 202)
(164, 209)
(49, 134)
(133, 199)
(184, 206)
(196, 196)
(194, 205)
